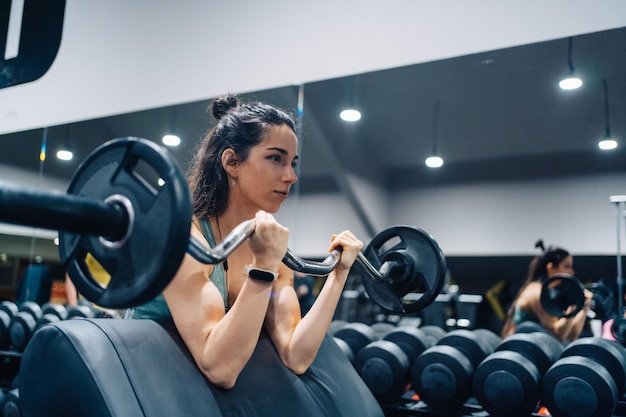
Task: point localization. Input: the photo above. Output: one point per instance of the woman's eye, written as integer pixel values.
(275, 158)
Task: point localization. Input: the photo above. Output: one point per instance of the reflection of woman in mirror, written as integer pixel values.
(527, 304)
(244, 168)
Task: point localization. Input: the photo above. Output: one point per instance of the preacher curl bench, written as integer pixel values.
(141, 368)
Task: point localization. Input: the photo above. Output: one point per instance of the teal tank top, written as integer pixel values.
(520, 315)
(157, 308)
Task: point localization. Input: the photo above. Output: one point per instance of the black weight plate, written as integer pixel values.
(425, 273)
(142, 263)
(562, 295)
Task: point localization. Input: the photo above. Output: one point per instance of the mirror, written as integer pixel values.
(500, 117)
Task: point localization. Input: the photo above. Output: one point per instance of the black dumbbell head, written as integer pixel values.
(356, 335)
(470, 343)
(384, 368)
(5, 324)
(577, 386)
(382, 328)
(31, 308)
(442, 377)
(21, 329)
(506, 384)
(411, 340)
(58, 310)
(345, 348)
(435, 332)
(541, 348)
(9, 307)
(611, 355)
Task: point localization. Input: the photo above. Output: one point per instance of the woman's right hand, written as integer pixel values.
(268, 242)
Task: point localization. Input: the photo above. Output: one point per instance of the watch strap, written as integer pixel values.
(260, 274)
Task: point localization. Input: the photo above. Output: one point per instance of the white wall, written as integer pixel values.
(477, 219)
(119, 56)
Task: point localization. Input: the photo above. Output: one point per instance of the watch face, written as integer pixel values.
(261, 274)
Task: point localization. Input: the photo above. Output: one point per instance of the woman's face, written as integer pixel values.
(566, 266)
(264, 179)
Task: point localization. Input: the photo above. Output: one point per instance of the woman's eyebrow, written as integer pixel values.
(282, 151)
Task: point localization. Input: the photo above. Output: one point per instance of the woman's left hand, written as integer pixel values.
(350, 247)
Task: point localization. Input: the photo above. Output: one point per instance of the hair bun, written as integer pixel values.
(539, 244)
(222, 105)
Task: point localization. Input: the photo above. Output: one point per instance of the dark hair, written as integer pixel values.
(537, 271)
(538, 268)
(239, 127)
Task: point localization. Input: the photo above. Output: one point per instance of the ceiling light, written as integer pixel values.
(65, 155)
(571, 81)
(350, 115)
(434, 160)
(607, 142)
(171, 140)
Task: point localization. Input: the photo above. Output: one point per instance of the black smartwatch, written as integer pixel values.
(260, 274)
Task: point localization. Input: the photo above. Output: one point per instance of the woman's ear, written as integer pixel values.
(230, 162)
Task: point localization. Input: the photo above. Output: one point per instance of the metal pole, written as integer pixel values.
(619, 200)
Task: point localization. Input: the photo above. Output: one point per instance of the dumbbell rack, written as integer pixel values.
(10, 361)
(410, 406)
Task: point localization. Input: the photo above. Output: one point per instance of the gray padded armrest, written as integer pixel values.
(128, 368)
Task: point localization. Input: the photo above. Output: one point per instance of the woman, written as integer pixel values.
(243, 169)
(527, 304)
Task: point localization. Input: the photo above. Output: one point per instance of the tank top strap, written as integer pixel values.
(218, 277)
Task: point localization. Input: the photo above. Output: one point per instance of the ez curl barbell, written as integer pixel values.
(129, 206)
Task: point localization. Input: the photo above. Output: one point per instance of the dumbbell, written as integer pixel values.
(530, 327)
(80, 311)
(352, 337)
(507, 382)
(384, 365)
(51, 313)
(10, 404)
(381, 328)
(8, 309)
(442, 374)
(587, 380)
(24, 324)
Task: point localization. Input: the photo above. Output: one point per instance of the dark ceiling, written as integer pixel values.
(501, 117)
